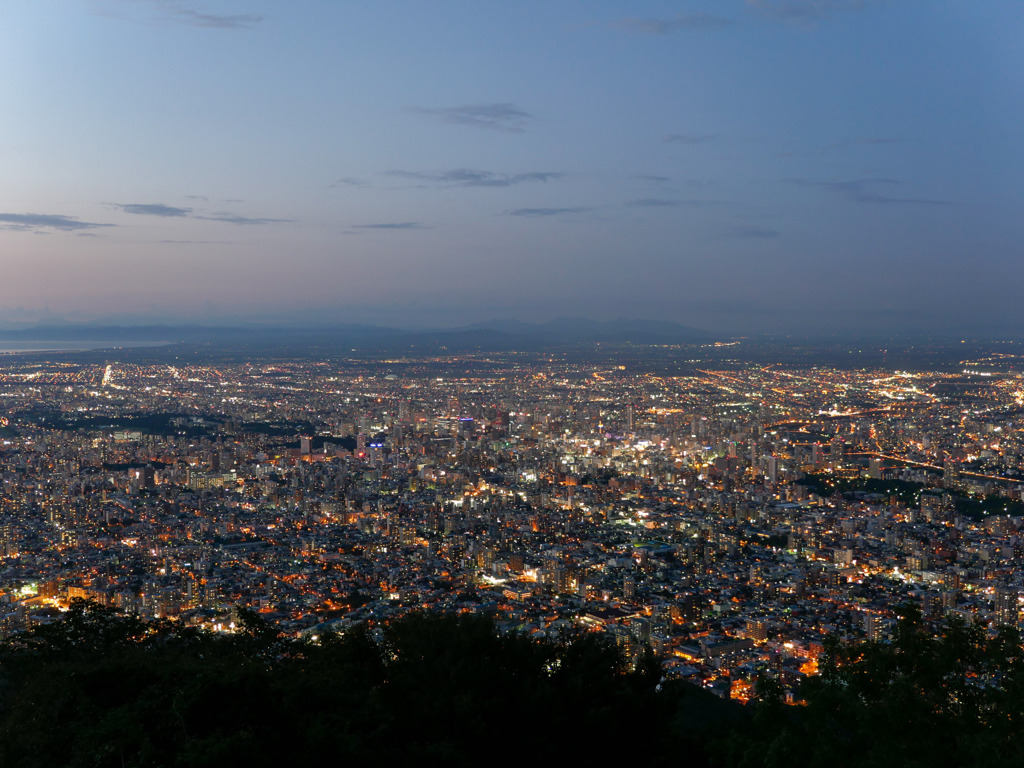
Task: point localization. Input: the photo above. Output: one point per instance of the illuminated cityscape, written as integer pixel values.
(730, 517)
(397, 382)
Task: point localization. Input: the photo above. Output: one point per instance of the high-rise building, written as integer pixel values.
(757, 630)
(838, 447)
(950, 474)
(1007, 606)
(8, 540)
(873, 627)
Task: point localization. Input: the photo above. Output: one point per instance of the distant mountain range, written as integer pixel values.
(491, 335)
(580, 329)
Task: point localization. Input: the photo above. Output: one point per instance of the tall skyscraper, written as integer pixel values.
(1007, 606)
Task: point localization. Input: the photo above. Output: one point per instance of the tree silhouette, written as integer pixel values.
(105, 690)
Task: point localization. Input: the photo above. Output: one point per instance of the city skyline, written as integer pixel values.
(832, 165)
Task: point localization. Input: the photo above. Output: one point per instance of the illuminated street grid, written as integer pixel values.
(659, 509)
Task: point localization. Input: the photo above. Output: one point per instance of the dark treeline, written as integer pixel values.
(98, 689)
(908, 493)
(953, 698)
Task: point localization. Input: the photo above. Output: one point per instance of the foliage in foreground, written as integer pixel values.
(956, 699)
(100, 689)
(104, 690)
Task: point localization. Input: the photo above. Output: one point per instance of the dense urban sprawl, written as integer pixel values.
(729, 517)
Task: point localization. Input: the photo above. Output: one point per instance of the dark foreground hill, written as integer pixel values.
(103, 690)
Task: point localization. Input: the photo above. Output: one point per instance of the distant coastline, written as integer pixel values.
(8, 347)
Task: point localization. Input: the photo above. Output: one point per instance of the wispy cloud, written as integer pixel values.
(502, 116)
(868, 191)
(393, 225)
(153, 209)
(542, 212)
(195, 242)
(652, 202)
(749, 230)
(212, 20)
(690, 138)
(672, 24)
(659, 202)
(45, 221)
(175, 212)
(349, 181)
(182, 12)
(468, 177)
(656, 179)
(803, 11)
(234, 218)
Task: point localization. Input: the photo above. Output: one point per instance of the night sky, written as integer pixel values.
(738, 166)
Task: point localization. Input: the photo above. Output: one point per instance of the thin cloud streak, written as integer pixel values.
(865, 191)
(178, 12)
(682, 21)
(174, 212)
(349, 181)
(543, 212)
(468, 177)
(214, 20)
(392, 225)
(658, 202)
(42, 221)
(500, 116)
(153, 209)
(244, 221)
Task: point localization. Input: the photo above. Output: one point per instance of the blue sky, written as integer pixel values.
(737, 165)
